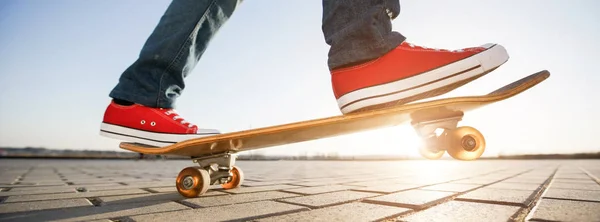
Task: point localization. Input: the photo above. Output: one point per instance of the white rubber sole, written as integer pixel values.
(149, 138)
(489, 59)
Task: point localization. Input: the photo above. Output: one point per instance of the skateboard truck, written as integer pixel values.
(463, 143)
(212, 169)
(218, 166)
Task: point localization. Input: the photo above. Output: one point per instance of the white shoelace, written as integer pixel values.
(436, 49)
(176, 117)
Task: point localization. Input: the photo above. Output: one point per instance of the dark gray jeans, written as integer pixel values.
(356, 30)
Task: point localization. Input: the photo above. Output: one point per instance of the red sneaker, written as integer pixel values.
(150, 126)
(410, 73)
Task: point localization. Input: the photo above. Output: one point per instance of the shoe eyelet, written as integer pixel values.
(143, 122)
(152, 124)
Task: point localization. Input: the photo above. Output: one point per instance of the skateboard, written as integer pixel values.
(216, 155)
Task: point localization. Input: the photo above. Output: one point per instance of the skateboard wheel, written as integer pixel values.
(236, 179)
(192, 182)
(430, 152)
(465, 143)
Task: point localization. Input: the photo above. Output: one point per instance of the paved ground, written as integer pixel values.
(120, 190)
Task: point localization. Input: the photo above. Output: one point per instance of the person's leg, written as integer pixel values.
(170, 53)
(142, 107)
(358, 30)
(374, 67)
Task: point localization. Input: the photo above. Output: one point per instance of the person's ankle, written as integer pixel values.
(123, 102)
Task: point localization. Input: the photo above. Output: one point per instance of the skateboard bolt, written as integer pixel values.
(468, 143)
(188, 182)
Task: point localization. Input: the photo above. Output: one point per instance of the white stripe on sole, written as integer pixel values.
(149, 138)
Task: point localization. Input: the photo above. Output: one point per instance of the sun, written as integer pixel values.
(400, 141)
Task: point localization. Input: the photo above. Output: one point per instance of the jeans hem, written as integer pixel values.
(366, 53)
(139, 99)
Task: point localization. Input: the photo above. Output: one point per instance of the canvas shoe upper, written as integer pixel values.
(409, 73)
(148, 125)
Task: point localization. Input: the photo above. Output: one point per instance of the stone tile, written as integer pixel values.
(464, 211)
(566, 210)
(321, 189)
(268, 183)
(166, 189)
(20, 192)
(94, 213)
(575, 186)
(43, 205)
(389, 188)
(328, 181)
(241, 212)
(260, 189)
(237, 198)
(588, 181)
(328, 199)
(453, 187)
(589, 195)
(480, 181)
(415, 199)
(170, 189)
(165, 197)
(345, 212)
(515, 186)
(537, 181)
(133, 186)
(581, 176)
(39, 197)
(503, 196)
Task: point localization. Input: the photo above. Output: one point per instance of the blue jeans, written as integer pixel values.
(355, 30)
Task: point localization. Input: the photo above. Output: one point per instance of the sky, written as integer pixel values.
(268, 66)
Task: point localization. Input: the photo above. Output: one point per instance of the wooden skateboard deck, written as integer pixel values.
(339, 125)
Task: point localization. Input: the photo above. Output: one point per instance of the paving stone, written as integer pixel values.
(39, 197)
(492, 195)
(19, 192)
(575, 186)
(94, 213)
(164, 189)
(537, 181)
(172, 188)
(588, 181)
(581, 176)
(237, 198)
(515, 186)
(42, 183)
(414, 199)
(369, 183)
(328, 199)
(121, 199)
(133, 186)
(589, 195)
(321, 189)
(454, 187)
(480, 181)
(260, 189)
(566, 210)
(464, 211)
(427, 179)
(345, 212)
(389, 188)
(43, 205)
(268, 183)
(241, 212)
